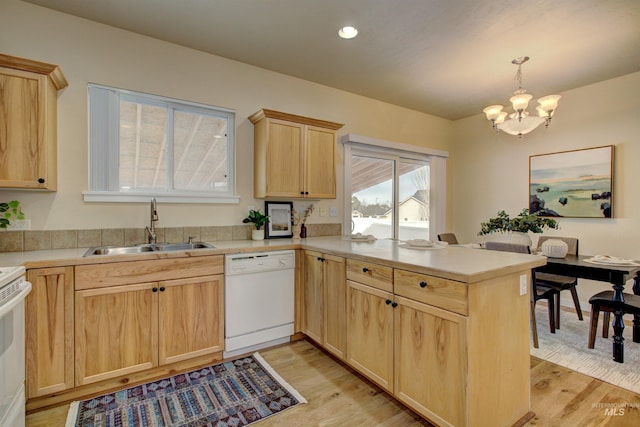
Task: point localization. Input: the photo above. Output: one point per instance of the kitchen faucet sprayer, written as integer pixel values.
(154, 217)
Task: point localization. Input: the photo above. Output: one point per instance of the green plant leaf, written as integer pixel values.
(524, 222)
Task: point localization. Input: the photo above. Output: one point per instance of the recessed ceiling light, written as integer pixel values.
(348, 32)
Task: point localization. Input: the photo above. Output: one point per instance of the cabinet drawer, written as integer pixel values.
(378, 276)
(447, 294)
(126, 273)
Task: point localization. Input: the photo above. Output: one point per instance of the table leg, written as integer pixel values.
(618, 324)
(636, 318)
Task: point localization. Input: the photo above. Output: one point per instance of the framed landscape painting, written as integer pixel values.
(576, 183)
(279, 223)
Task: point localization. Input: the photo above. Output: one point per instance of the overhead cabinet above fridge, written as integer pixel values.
(294, 156)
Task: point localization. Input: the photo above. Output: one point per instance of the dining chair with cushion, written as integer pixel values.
(538, 292)
(561, 283)
(450, 238)
(603, 301)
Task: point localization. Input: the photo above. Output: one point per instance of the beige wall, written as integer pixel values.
(491, 172)
(90, 52)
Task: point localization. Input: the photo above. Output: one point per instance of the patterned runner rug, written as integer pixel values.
(568, 348)
(235, 393)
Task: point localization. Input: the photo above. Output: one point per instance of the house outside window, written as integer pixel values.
(390, 189)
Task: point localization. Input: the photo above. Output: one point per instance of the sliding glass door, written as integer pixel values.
(389, 194)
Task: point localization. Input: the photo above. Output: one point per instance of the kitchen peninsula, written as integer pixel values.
(445, 331)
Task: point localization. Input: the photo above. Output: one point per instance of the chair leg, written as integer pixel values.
(595, 313)
(534, 327)
(552, 313)
(557, 310)
(576, 301)
(605, 324)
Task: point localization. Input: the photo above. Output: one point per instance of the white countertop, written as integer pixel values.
(452, 262)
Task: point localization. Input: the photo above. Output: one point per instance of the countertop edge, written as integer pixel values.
(334, 245)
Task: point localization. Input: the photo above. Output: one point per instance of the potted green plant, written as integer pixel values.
(258, 219)
(515, 230)
(10, 211)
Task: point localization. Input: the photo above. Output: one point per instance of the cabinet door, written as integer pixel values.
(430, 367)
(284, 159)
(191, 318)
(49, 331)
(116, 331)
(370, 333)
(335, 305)
(313, 296)
(320, 163)
(22, 107)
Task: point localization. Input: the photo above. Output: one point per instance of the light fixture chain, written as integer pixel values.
(519, 76)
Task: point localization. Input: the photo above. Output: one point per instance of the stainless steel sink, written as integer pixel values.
(182, 246)
(138, 249)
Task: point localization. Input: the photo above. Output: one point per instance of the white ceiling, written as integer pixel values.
(449, 58)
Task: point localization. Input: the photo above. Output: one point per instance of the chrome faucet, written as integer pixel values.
(154, 217)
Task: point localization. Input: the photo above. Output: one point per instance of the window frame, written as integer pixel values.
(103, 111)
(370, 147)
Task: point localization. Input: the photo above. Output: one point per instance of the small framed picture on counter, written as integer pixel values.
(279, 223)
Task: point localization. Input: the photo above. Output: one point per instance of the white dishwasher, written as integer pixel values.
(259, 306)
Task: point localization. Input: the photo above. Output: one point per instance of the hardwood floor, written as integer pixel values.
(338, 397)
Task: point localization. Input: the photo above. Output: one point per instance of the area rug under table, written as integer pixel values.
(568, 348)
(235, 393)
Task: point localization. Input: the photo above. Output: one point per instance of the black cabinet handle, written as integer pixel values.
(423, 284)
(365, 269)
(319, 259)
(162, 288)
(154, 289)
(302, 192)
(394, 304)
(41, 180)
(388, 302)
(306, 192)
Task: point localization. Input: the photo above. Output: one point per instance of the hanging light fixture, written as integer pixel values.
(520, 122)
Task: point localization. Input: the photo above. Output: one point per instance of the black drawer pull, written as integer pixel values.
(41, 180)
(154, 289)
(388, 302)
(365, 269)
(162, 289)
(394, 305)
(423, 284)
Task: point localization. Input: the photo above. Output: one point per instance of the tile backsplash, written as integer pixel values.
(18, 241)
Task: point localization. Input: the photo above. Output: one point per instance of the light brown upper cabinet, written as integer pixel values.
(294, 156)
(28, 123)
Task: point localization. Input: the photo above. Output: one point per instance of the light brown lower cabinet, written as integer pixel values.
(439, 345)
(370, 333)
(325, 301)
(430, 361)
(49, 331)
(130, 328)
(116, 331)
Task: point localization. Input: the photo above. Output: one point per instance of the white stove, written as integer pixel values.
(14, 288)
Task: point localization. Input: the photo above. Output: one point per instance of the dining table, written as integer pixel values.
(584, 267)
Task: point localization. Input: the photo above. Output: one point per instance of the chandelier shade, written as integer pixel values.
(520, 122)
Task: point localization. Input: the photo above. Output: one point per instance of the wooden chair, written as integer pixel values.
(450, 238)
(538, 292)
(561, 283)
(603, 301)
